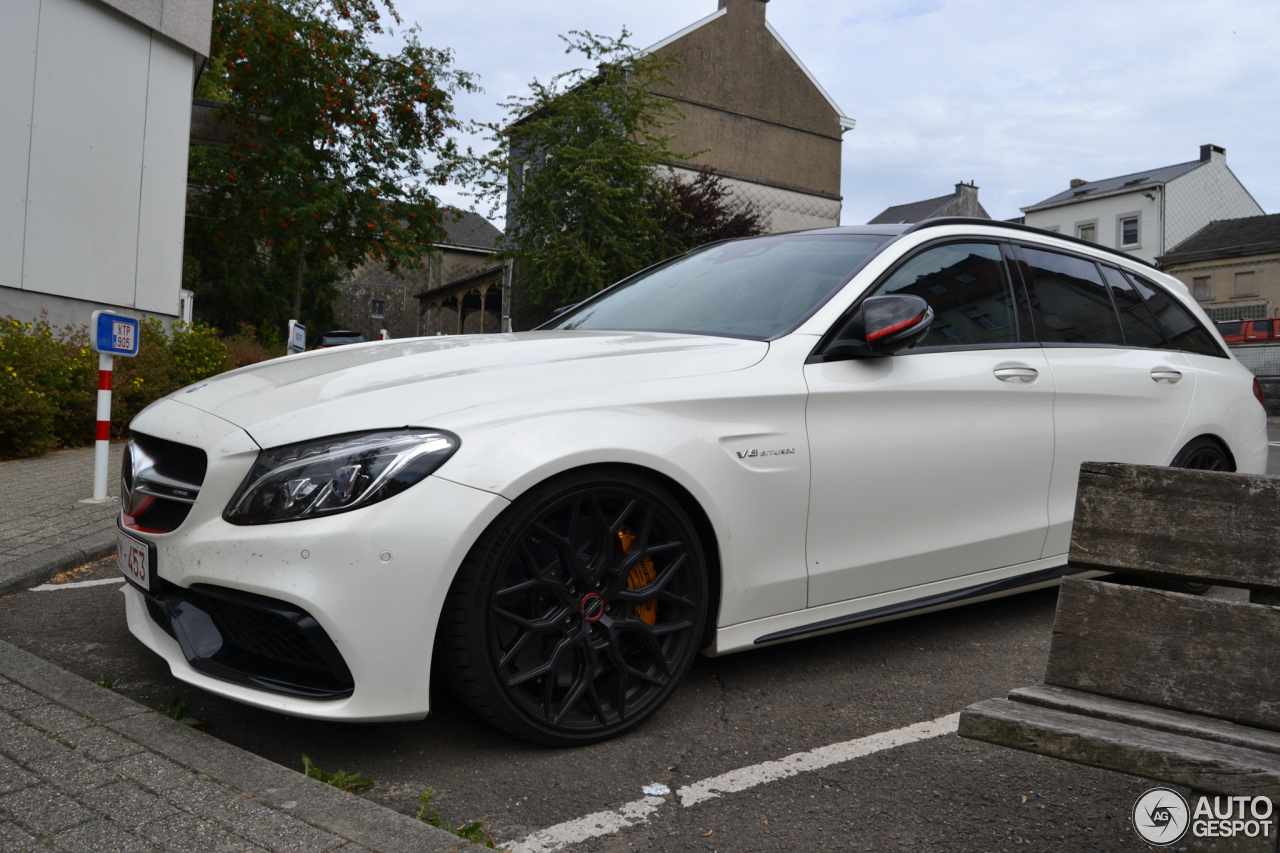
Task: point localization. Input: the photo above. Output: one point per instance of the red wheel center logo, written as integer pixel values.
(591, 607)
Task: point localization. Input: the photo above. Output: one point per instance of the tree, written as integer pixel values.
(704, 211)
(578, 164)
(335, 149)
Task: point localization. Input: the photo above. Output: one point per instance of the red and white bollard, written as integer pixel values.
(102, 439)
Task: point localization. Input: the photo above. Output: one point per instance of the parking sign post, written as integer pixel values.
(111, 335)
(297, 341)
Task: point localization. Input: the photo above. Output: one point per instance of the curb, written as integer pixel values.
(374, 827)
(19, 574)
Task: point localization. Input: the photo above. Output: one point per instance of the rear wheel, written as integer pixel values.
(579, 609)
(1200, 454)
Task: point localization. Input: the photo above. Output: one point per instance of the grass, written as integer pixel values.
(179, 710)
(473, 832)
(341, 780)
(104, 680)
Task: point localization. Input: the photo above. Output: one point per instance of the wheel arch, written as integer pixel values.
(1216, 439)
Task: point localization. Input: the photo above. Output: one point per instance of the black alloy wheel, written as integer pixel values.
(1203, 454)
(579, 609)
(1200, 454)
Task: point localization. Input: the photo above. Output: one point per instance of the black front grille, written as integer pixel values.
(181, 462)
(164, 516)
(251, 639)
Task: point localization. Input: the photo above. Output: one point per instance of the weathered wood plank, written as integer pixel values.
(1204, 765)
(1147, 716)
(1167, 522)
(1204, 656)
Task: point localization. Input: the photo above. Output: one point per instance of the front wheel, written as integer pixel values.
(576, 613)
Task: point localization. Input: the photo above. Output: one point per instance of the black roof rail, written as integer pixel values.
(1014, 226)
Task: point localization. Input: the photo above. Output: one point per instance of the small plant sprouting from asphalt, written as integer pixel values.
(104, 680)
(473, 832)
(349, 782)
(180, 711)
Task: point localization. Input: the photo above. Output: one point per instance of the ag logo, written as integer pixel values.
(1161, 816)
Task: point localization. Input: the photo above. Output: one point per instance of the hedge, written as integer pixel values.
(49, 378)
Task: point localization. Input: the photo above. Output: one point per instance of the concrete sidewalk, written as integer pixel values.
(44, 528)
(85, 769)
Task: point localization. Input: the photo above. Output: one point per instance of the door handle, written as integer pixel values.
(1166, 374)
(1016, 374)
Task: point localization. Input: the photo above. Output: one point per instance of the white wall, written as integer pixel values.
(1108, 211)
(1203, 195)
(93, 160)
(783, 210)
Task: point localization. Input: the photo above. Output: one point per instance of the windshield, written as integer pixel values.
(757, 288)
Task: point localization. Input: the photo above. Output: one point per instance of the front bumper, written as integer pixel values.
(373, 580)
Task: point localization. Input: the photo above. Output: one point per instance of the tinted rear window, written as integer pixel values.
(1070, 304)
(1140, 326)
(1182, 329)
(1225, 329)
(338, 340)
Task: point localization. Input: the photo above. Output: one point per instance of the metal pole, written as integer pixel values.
(103, 436)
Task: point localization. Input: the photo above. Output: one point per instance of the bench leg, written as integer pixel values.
(1240, 844)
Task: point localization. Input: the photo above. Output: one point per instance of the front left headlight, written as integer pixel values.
(337, 474)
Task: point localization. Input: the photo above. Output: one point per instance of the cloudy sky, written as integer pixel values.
(1020, 97)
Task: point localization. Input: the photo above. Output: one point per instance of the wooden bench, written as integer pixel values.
(1159, 684)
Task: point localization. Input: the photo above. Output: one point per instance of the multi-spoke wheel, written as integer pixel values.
(578, 610)
(1200, 454)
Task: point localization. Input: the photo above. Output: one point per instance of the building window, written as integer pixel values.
(378, 309)
(983, 319)
(1087, 231)
(1129, 231)
(1202, 288)
(1245, 284)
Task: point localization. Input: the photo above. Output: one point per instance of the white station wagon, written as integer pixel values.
(758, 441)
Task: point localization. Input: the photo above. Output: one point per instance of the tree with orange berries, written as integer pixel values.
(334, 150)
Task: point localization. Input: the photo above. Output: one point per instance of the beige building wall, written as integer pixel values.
(1233, 288)
(757, 117)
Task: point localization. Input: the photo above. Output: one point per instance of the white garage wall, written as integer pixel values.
(21, 21)
(92, 199)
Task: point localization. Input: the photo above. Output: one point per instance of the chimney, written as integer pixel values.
(752, 8)
(1077, 182)
(970, 189)
(1208, 152)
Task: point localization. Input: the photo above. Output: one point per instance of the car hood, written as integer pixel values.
(408, 382)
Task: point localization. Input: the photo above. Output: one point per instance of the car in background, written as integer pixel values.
(1249, 331)
(758, 441)
(339, 337)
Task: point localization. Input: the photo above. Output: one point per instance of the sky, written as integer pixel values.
(1019, 97)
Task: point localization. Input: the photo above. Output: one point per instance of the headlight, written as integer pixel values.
(331, 475)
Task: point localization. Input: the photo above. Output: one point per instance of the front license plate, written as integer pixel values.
(135, 560)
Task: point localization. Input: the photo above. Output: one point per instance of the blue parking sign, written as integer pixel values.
(113, 334)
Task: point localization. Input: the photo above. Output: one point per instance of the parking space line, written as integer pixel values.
(638, 811)
(50, 587)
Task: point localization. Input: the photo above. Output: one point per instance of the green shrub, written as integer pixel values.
(49, 379)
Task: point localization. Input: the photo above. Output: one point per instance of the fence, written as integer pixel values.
(1263, 360)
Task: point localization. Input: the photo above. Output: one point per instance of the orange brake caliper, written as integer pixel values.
(641, 574)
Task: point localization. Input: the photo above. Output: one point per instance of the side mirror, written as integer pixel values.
(882, 325)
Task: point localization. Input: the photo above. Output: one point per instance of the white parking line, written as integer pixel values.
(638, 811)
(50, 587)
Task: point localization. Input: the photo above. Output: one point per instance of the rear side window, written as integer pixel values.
(1182, 329)
(1234, 328)
(1140, 326)
(1069, 302)
(968, 289)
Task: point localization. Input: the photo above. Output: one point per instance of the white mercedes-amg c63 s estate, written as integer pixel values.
(757, 441)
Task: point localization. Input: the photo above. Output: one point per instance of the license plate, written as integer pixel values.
(134, 558)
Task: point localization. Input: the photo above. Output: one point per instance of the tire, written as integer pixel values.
(1200, 454)
(578, 610)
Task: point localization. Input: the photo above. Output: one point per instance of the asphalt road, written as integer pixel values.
(941, 794)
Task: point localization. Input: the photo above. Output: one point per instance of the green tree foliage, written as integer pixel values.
(578, 163)
(335, 149)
